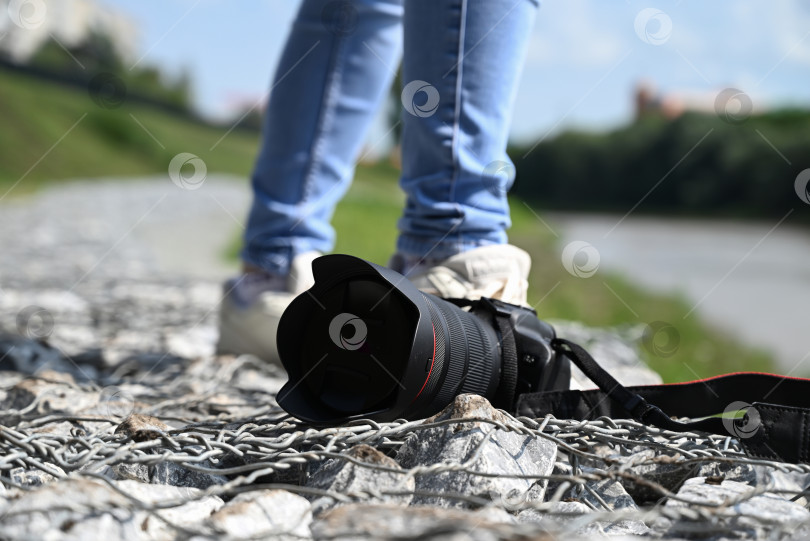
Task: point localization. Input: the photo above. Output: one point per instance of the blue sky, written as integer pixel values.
(584, 61)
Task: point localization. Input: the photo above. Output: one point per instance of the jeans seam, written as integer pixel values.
(454, 147)
(335, 71)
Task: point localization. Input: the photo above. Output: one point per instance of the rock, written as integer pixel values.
(345, 477)
(610, 492)
(785, 483)
(140, 427)
(387, 521)
(671, 472)
(49, 392)
(189, 514)
(169, 473)
(562, 513)
(503, 453)
(264, 513)
(134, 472)
(28, 356)
(249, 379)
(728, 471)
(616, 350)
(753, 517)
(90, 509)
(34, 478)
(192, 343)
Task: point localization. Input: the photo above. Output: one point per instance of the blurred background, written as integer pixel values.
(662, 153)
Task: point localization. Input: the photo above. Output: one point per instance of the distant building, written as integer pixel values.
(672, 104)
(25, 25)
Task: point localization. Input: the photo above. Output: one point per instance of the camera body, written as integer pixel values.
(364, 342)
(539, 368)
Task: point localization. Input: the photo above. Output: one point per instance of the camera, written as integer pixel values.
(365, 343)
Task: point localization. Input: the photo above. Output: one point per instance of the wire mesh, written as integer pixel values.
(249, 444)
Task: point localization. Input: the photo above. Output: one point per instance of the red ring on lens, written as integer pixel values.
(432, 362)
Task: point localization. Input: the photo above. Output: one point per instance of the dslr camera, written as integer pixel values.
(365, 343)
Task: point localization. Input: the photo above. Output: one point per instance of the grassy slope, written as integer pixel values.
(35, 115)
(106, 142)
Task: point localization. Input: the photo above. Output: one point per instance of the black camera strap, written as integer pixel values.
(773, 411)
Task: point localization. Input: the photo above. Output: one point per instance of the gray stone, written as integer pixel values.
(560, 513)
(608, 492)
(264, 513)
(190, 514)
(49, 392)
(616, 350)
(387, 521)
(740, 515)
(786, 484)
(670, 473)
(135, 472)
(728, 471)
(28, 356)
(504, 453)
(563, 513)
(90, 509)
(169, 473)
(140, 427)
(345, 477)
(34, 478)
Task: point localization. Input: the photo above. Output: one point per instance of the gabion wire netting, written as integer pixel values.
(243, 438)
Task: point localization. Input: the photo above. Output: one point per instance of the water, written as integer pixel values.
(751, 278)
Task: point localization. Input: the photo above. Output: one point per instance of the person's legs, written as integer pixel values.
(455, 170)
(335, 71)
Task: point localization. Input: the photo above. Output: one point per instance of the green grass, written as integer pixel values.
(365, 222)
(36, 115)
(366, 226)
(91, 141)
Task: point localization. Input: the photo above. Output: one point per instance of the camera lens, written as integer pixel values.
(354, 350)
(364, 342)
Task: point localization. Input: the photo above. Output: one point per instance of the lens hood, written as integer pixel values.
(358, 344)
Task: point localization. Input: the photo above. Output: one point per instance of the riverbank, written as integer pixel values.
(749, 278)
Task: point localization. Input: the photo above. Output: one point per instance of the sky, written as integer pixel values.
(584, 61)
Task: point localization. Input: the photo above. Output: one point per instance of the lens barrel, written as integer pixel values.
(364, 342)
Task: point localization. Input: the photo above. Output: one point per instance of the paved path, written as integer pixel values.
(750, 278)
(108, 260)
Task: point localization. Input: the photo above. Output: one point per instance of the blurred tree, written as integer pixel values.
(743, 169)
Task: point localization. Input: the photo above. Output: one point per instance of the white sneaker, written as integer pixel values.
(252, 306)
(499, 271)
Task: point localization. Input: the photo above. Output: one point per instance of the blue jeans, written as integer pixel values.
(460, 66)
